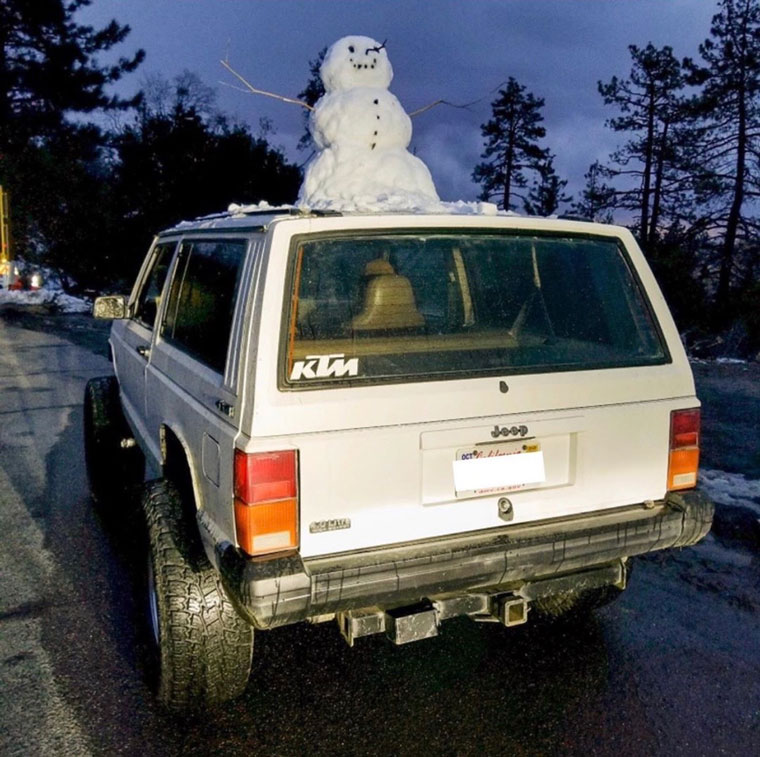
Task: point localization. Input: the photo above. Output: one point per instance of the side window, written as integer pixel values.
(148, 300)
(202, 299)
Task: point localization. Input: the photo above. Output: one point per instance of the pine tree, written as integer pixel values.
(48, 68)
(547, 192)
(512, 147)
(597, 198)
(728, 140)
(181, 158)
(53, 166)
(651, 113)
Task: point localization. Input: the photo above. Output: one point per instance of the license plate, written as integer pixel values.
(494, 468)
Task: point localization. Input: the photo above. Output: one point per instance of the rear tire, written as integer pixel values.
(203, 648)
(112, 471)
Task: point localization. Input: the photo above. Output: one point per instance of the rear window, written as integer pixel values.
(432, 306)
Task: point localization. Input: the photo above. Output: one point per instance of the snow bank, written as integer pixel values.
(56, 300)
(731, 489)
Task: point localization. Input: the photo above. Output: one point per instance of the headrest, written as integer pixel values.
(378, 267)
(388, 304)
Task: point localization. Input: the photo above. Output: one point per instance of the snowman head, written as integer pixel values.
(356, 62)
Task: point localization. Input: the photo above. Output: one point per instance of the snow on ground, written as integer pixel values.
(731, 489)
(56, 300)
(730, 361)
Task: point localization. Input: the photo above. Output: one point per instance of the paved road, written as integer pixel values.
(672, 668)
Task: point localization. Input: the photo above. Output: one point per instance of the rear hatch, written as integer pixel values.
(437, 381)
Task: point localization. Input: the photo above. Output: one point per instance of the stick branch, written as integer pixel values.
(253, 90)
(464, 106)
(426, 107)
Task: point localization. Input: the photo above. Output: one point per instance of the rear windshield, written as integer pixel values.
(432, 306)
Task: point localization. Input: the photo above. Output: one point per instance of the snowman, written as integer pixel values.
(362, 134)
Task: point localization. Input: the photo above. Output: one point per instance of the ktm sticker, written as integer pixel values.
(324, 366)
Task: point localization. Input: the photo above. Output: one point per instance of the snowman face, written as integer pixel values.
(356, 62)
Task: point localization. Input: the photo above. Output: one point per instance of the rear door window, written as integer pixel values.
(430, 306)
(199, 311)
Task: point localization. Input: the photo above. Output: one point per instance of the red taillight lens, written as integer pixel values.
(684, 428)
(266, 501)
(684, 449)
(265, 476)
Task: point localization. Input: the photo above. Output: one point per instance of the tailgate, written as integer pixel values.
(396, 484)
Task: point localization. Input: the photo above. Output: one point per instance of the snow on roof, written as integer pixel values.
(262, 214)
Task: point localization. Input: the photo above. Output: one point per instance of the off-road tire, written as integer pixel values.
(573, 606)
(113, 472)
(203, 648)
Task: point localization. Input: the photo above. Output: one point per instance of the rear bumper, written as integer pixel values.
(285, 590)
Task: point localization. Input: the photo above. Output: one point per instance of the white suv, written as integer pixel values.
(389, 420)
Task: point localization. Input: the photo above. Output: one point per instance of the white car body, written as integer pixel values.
(397, 464)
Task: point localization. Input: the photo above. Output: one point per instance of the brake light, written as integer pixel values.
(266, 501)
(684, 449)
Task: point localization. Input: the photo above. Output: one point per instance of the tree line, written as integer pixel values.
(86, 198)
(686, 176)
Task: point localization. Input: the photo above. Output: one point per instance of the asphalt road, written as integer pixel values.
(672, 668)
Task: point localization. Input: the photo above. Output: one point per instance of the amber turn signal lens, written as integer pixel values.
(266, 527)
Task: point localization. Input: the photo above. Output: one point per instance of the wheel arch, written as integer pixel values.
(178, 467)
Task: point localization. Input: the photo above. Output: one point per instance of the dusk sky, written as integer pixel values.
(459, 50)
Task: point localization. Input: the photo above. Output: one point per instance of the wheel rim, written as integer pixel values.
(152, 602)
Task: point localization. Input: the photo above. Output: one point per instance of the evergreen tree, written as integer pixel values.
(512, 147)
(53, 167)
(651, 112)
(181, 158)
(547, 192)
(48, 68)
(728, 140)
(597, 197)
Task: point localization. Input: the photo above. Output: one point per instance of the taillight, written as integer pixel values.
(266, 501)
(684, 449)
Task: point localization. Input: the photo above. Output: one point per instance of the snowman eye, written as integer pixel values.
(351, 49)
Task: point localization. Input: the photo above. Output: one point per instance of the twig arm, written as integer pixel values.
(464, 106)
(253, 90)
(424, 108)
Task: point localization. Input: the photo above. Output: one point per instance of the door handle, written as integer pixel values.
(226, 408)
(143, 350)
